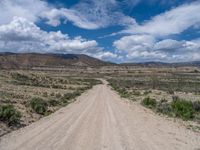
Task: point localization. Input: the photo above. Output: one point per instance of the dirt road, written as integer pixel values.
(99, 119)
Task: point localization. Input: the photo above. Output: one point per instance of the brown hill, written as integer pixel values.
(29, 60)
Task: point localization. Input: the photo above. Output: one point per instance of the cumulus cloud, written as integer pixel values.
(22, 35)
(147, 48)
(29, 9)
(134, 42)
(106, 55)
(174, 21)
(168, 45)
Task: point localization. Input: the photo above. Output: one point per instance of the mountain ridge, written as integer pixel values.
(28, 60)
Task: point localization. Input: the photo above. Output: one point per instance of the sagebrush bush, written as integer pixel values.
(146, 92)
(136, 93)
(9, 114)
(175, 97)
(183, 109)
(170, 91)
(53, 102)
(69, 96)
(39, 105)
(19, 77)
(164, 107)
(58, 95)
(149, 102)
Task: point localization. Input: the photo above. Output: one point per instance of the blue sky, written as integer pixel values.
(114, 30)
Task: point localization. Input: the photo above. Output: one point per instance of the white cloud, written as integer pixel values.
(90, 14)
(168, 45)
(151, 40)
(87, 14)
(146, 48)
(174, 21)
(106, 55)
(29, 9)
(54, 17)
(134, 42)
(22, 35)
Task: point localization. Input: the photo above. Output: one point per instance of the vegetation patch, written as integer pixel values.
(9, 114)
(53, 103)
(149, 102)
(183, 109)
(39, 105)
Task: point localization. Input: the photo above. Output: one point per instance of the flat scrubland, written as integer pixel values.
(26, 96)
(171, 92)
(137, 107)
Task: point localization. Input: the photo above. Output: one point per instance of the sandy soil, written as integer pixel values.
(100, 119)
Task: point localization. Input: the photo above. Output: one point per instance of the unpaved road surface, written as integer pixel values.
(99, 120)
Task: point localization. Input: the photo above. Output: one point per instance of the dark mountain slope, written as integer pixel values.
(28, 60)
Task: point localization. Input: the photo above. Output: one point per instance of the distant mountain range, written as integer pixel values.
(30, 60)
(163, 64)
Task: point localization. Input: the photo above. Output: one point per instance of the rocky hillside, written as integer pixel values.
(29, 60)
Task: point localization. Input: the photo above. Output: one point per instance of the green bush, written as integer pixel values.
(149, 102)
(9, 114)
(39, 105)
(182, 109)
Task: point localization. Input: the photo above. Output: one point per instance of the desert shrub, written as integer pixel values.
(52, 94)
(164, 107)
(123, 92)
(163, 100)
(39, 105)
(53, 102)
(9, 114)
(175, 97)
(170, 91)
(136, 93)
(196, 106)
(58, 95)
(45, 94)
(19, 77)
(149, 102)
(146, 92)
(182, 109)
(68, 96)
